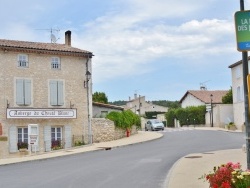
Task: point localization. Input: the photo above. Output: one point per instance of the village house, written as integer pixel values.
(140, 106)
(238, 94)
(45, 96)
(101, 110)
(220, 115)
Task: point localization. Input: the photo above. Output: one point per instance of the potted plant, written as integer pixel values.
(229, 175)
(22, 146)
(231, 126)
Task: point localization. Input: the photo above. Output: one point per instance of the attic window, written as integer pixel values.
(22, 60)
(55, 63)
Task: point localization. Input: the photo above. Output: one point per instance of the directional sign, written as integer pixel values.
(242, 28)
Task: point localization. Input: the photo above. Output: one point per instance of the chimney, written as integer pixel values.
(68, 38)
(135, 95)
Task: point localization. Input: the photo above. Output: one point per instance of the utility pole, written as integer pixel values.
(245, 73)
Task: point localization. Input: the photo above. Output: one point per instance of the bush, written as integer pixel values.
(125, 119)
(190, 115)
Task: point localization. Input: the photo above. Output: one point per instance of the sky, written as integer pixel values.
(154, 48)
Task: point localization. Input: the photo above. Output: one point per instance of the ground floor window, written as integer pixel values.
(56, 138)
(22, 137)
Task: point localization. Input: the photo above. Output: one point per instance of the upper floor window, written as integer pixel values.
(55, 63)
(23, 92)
(56, 93)
(22, 60)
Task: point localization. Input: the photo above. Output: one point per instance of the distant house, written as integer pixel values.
(222, 113)
(100, 110)
(139, 106)
(201, 97)
(238, 93)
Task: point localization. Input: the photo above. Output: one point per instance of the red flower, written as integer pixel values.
(226, 185)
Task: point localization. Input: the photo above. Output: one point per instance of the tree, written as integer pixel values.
(100, 97)
(228, 98)
(169, 104)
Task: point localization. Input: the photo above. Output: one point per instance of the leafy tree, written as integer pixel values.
(119, 103)
(228, 98)
(170, 116)
(100, 97)
(169, 104)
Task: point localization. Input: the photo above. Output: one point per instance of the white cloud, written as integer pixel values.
(124, 44)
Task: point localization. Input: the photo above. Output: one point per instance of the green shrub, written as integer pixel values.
(125, 119)
(192, 115)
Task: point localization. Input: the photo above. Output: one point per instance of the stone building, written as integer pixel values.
(45, 95)
(139, 106)
(100, 110)
(219, 115)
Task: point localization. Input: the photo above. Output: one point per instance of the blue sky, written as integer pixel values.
(156, 48)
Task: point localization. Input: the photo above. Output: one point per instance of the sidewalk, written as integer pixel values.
(142, 136)
(187, 170)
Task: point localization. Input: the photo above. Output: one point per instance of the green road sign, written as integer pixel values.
(242, 27)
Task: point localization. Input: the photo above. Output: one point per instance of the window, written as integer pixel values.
(56, 93)
(56, 138)
(22, 137)
(23, 92)
(55, 63)
(22, 60)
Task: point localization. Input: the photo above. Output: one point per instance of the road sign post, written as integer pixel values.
(242, 19)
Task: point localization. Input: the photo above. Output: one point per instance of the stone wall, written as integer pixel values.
(104, 130)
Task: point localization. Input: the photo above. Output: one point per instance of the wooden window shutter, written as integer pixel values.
(19, 92)
(53, 93)
(60, 93)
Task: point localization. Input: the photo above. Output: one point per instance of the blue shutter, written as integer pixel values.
(19, 92)
(53, 93)
(47, 137)
(13, 139)
(60, 93)
(27, 94)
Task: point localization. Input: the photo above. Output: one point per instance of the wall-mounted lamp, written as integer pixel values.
(88, 77)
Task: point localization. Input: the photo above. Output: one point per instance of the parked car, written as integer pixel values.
(154, 124)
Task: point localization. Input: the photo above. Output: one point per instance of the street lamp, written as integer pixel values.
(88, 77)
(212, 119)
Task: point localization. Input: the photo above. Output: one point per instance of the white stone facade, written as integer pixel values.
(238, 94)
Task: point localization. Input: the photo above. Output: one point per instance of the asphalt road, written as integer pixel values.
(138, 166)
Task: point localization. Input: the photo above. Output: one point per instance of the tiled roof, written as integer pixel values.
(108, 105)
(204, 95)
(24, 45)
(237, 63)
